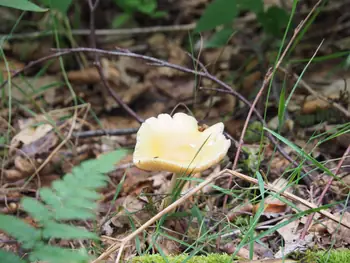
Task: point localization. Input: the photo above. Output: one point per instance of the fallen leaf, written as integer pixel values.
(27, 88)
(273, 206)
(13, 65)
(92, 76)
(31, 134)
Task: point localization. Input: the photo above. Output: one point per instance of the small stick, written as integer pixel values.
(111, 132)
(99, 67)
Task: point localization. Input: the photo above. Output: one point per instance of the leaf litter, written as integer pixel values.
(150, 90)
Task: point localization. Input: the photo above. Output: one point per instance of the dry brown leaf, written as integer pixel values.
(340, 233)
(30, 87)
(128, 94)
(212, 56)
(92, 76)
(40, 146)
(312, 106)
(249, 82)
(291, 233)
(13, 175)
(343, 140)
(273, 206)
(337, 90)
(24, 165)
(243, 252)
(176, 88)
(30, 134)
(13, 65)
(33, 50)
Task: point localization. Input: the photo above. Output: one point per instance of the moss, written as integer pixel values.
(335, 256)
(211, 258)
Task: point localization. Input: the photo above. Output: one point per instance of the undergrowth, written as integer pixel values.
(333, 256)
(72, 198)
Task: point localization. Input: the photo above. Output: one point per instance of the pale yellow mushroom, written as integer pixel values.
(176, 144)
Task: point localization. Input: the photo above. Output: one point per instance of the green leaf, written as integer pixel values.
(217, 13)
(60, 5)
(274, 20)
(72, 197)
(49, 197)
(9, 257)
(62, 210)
(255, 6)
(64, 231)
(121, 19)
(46, 253)
(24, 233)
(36, 209)
(282, 106)
(220, 38)
(73, 213)
(147, 7)
(24, 5)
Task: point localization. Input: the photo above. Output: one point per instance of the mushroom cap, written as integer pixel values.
(175, 144)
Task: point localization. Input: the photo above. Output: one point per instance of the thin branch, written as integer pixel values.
(106, 32)
(99, 67)
(326, 188)
(98, 133)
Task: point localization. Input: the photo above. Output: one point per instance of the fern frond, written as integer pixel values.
(36, 209)
(46, 253)
(71, 198)
(26, 234)
(6, 256)
(64, 231)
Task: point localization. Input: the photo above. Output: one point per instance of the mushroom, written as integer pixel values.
(177, 144)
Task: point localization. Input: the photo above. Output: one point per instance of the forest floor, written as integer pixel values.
(76, 86)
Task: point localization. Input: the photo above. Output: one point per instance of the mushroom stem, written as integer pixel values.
(172, 189)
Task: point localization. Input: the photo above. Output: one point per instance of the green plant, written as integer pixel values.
(130, 7)
(60, 5)
(334, 256)
(72, 198)
(24, 5)
(211, 258)
(223, 12)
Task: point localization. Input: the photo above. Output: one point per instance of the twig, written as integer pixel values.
(319, 201)
(99, 67)
(111, 132)
(107, 32)
(304, 84)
